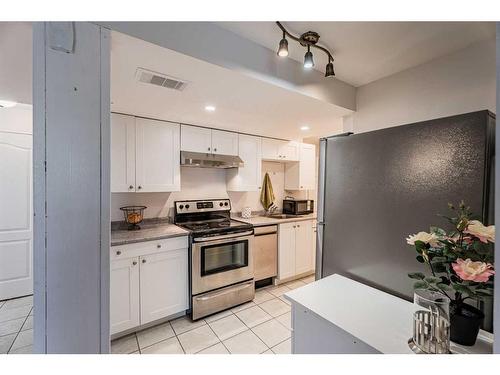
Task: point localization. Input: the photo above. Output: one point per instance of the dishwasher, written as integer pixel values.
(265, 252)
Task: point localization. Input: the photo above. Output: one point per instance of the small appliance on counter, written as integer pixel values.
(298, 206)
(221, 264)
(133, 216)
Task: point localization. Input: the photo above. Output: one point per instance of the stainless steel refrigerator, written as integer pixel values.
(378, 187)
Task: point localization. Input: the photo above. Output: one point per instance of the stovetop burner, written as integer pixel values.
(207, 216)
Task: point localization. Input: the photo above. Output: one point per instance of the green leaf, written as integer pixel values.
(443, 287)
(462, 289)
(420, 245)
(440, 232)
(439, 259)
(416, 275)
(420, 259)
(439, 267)
(484, 292)
(420, 285)
(433, 280)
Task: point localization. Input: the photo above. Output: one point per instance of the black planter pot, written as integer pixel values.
(465, 323)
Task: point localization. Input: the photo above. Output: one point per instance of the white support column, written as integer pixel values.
(71, 187)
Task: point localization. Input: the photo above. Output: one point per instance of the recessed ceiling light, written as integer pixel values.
(7, 104)
(210, 108)
(305, 127)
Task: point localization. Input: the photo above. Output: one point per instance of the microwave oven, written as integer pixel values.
(298, 207)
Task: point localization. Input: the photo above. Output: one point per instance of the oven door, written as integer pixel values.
(220, 261)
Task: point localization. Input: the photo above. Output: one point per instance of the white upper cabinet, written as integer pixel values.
(144, 155)
(196, 139)
(301, 175)
(224, 143)
(122, 153)
(276, 150)
(248, 177)
(157, 156)
(290, 151)
(211, 141)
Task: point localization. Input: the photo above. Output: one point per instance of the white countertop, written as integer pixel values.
(379, 319)
(258, 221)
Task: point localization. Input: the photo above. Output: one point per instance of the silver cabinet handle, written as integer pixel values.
(131, 187)
(118, 252)
(139, 187)
(209, 149)
(158, 246)
(144, 261)
(134, 263)
(298, 226)
(215, 150)
(301, 187)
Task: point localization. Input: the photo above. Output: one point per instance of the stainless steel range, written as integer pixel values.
(221, 255)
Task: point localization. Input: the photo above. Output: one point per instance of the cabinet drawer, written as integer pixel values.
(148, 247)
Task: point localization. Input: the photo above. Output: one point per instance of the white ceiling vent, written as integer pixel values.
(159, 79)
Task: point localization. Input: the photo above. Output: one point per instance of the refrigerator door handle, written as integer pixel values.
(319, 250)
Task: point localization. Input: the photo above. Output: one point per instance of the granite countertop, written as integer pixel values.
(261, 220)
(150, 231)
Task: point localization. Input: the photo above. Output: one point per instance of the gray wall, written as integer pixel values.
(461, 82)
(71, 202)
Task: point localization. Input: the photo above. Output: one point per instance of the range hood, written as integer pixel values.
(203, 160)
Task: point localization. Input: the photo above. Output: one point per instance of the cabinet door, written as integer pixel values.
(248, 177)
(271, 149)
(286, 250)
(124, 294)
(195, 139)
(304, 257)
(224, 143)
(16, 221)
(289, 151)
(164, 284)
(122, 153)
(157, 156)
(307, 167)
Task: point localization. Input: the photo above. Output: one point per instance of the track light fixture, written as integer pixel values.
(308, 39)
(283, 48)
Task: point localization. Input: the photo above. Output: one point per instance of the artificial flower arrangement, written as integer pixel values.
(461, 265)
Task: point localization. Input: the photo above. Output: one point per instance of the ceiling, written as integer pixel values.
(367, 51)
(16, 61)
(242, 103)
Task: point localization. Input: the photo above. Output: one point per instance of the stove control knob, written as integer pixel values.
(225, 203)
(221, 204)
(187, 206)
(181, 206)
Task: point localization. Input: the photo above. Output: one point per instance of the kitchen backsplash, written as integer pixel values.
(201, 183)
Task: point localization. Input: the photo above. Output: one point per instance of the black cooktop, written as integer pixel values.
(215, 226)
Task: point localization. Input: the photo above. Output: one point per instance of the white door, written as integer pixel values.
(16, 219)
(286, 250)
(248, 177)
(122, 153)
(307, 167)
(195, 139)
(124, 294)
(289, 151)
(164, 284)
(157, 162)
(304, 258)
(224, 143)
(271, 149)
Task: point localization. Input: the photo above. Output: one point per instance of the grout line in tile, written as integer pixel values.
(137, 341)
(281, 342)
(218, 338)
(18, 332)
(180, 343)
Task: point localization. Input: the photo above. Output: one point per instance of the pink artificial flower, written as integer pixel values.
(473, 271)
(485, 234)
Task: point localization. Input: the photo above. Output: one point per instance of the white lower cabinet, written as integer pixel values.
(295, 251)
(164, 284)
(148, 281)
(124, 294)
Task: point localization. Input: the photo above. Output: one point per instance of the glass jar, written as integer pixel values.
(431, 323)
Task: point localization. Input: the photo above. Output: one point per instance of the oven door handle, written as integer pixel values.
(215, 238)
(227, 290)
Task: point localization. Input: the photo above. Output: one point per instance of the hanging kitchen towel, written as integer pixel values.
(267, 195)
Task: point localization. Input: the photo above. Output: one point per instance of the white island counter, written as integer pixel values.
(338, 315)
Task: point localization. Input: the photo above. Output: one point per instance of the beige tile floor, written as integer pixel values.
(16, 326)
(261, 326)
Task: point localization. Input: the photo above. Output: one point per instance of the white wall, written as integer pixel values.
(461, 82)
(203, 183)
(17, 119)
